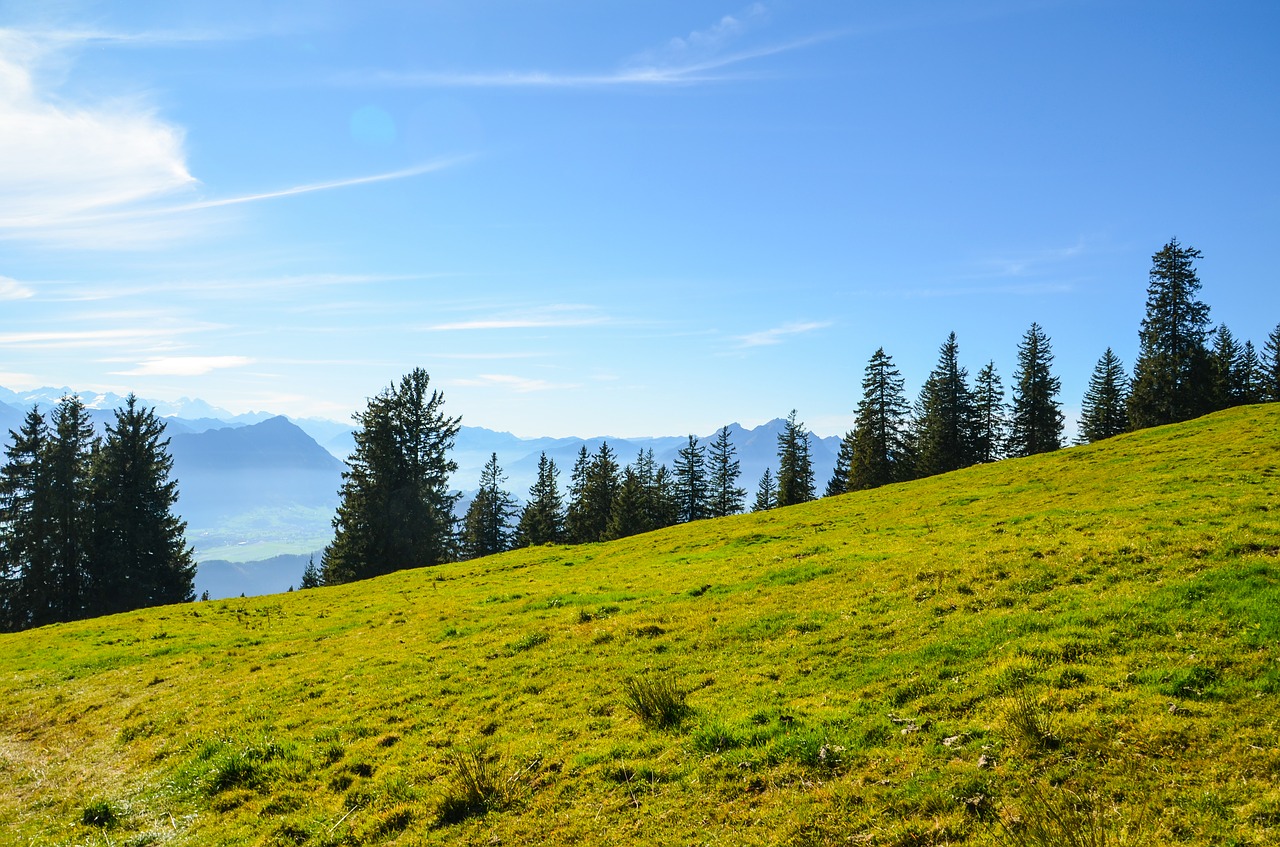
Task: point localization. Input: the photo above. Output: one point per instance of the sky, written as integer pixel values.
(623, 218)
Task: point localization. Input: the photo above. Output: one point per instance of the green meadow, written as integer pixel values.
(1076, 648)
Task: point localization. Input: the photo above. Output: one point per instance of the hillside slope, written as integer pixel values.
(1088, 637)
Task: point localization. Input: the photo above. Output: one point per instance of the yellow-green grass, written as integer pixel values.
(1090, 635)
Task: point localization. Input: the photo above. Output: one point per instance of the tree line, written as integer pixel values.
(86, 523)
(397, 510)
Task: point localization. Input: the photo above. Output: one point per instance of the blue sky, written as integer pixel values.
(623, 218)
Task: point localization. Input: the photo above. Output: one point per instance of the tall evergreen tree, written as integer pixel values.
(1036, 423)
(766, 493)
(311, 577)
(595, 485)
(1249, 379)
(992, 422)
(881, 453)
(726, 495)
(28, 591)
(795, 464)
(70, 461)
(396, 509)
(1104, 411)
(1225, 368)
(839, 482)
(542, 519)
(946, 422)
(664, 498)
(1270, 367)
(631, 514)
(691, 481)
(139, 554)
(575, 519)
(1172, 376)
(486, 528)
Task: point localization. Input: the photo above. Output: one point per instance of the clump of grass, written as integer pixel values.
(1029, 724)
(100, 813)
(657, 701)
(528, 642)
(1059, 817)
(477, 787)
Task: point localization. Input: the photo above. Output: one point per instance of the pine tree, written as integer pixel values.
(1036, 423)
(594, 486)
(631, 513)
(310, 577)
(1172, 376)
(542, 519)
(1225, 367)
(664, 499)
(795, 464)
(881, 453)
(396, 509)
(691, 481)
(28, 596)
(839, 482)
(1249, 377)
(766, 493)
(486, 528)
(1104, 411)
(575, 520)
(990, 414)
(69, 464)
(725, 494)
(1270, 367)
(139, 554)
(946, 422)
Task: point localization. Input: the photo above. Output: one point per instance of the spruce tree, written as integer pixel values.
(881, 453)
(946, 422)
(311, 577)
(795, 464)
(396, 509)
(1270, 367)
(69, 464)
(691, 481)
(664, 499)
(1172, 376)
(1104, 411)
(542, 519)
(1036, 423)
(839, 482)
(726, 495)
(766, 493)
(28, 591)
(575, 519)
(992, 422)
(1249, 378)
(594, 486)
(486, 527)
(1225, 367)
(139, 554)
(631, 513)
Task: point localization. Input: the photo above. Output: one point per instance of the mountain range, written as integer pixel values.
(258, 491)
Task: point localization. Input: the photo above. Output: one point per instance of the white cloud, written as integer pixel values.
(11, 289)
(545, 317)
(185, 365)
(776, 335)
(518, 384)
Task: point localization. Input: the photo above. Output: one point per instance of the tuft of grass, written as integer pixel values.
(1056, 816)
(100, 813)
(1029, 724)
(477, 785)
(658, 701)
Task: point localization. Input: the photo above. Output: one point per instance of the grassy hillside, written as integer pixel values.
(1085, 640)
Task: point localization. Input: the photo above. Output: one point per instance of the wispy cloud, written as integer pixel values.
(517, 384)
(11, 289)
(544, 317)
(119, 337)
(778, 334)
(185, 365)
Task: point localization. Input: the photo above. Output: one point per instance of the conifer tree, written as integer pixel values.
(946, 422)
(595, 484)
(486, 527)
(575, 520)
(27, 593)
(1270, 367)
(1036, 423)
(1104, 411)
(992, 423)
(795, 464)
(396, 509)
(542, 519)
(766, 493)
(691, 481)
(70, 460)
(839, 482)
(1172, 376)
(311, 577)
(881, 452)
(631, 514)
(1249, 378)
(1225, 368)
(664, 499)
(725, 494)
(139, 554)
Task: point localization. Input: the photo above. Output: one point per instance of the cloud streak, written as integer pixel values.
(776, 335)
(544, 318)
(185, 365)
(517, 384)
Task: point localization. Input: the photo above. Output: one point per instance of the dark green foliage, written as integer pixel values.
(477, 787)
(692, 492)
(946, 420)
(1036, 423)
(725, 496)
(1269, 367)
(991, 415)
(593, 488)
(396, 510)
(1249, 378)
(486, 529)
(26, 527)
(766, 493)
(795, 464)
(881, 449)
(99, 813)
(1172, 379)
(69, 464)
(839, 482)
(542, 520)
(657, 701)
(311, 577)
(632, 513)
(139, 554)
(1104, 411)
(1225, 369)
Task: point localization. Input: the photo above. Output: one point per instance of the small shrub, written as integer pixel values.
(656, 701)
(99, 813)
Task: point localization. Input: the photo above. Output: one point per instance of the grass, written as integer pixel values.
(1090, 633)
